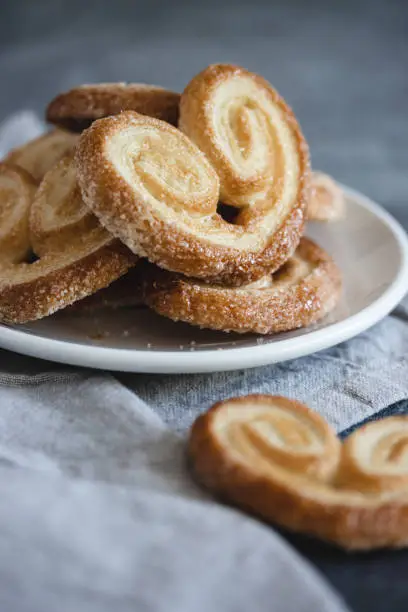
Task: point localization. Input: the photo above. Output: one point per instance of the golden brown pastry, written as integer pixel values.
(279, 460)
(251, 137)
(17, 190)
(327, 202)
(39, 155)
(76, 109)
(153, 188)
(58, 214)
(305, 289)
(86, 260)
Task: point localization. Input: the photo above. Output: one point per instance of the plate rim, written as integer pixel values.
(214, 359)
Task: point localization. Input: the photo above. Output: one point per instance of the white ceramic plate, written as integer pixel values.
(370, 247)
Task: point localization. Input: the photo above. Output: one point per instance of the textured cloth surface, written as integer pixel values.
(346, 383)
(100, 511)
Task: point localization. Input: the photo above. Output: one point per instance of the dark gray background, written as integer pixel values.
(343, 66)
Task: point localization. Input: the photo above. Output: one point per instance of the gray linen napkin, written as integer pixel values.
(98, 511)
(346, 384)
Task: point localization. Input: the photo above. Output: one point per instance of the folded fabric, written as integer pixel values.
(98, 512)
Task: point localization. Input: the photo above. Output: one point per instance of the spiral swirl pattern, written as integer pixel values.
(154, 189)
(375, 457)
(58, 215)
(288, 435)
(246, 130)
(74, 258)
(38, 156)
(304, 290)
(283, 462)
(17, 189)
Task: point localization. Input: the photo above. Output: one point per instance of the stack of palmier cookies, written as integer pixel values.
(204, 221)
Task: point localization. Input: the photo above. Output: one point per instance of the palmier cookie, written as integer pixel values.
(74, 258)
(305, 289)
(327, 201)
(38, 156)
(251, 137)
(279, 460)
(76, 109)
(154, 189)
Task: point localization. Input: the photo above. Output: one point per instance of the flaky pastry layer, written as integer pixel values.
(38, 156)
(154, 189)
(327, 201)
(67, 272)
(17, 189)
(305, 289)
(281, 461)
(76, 109)
(249, 134)
(58, 215)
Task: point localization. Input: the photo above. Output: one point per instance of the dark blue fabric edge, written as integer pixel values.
(396, 409)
